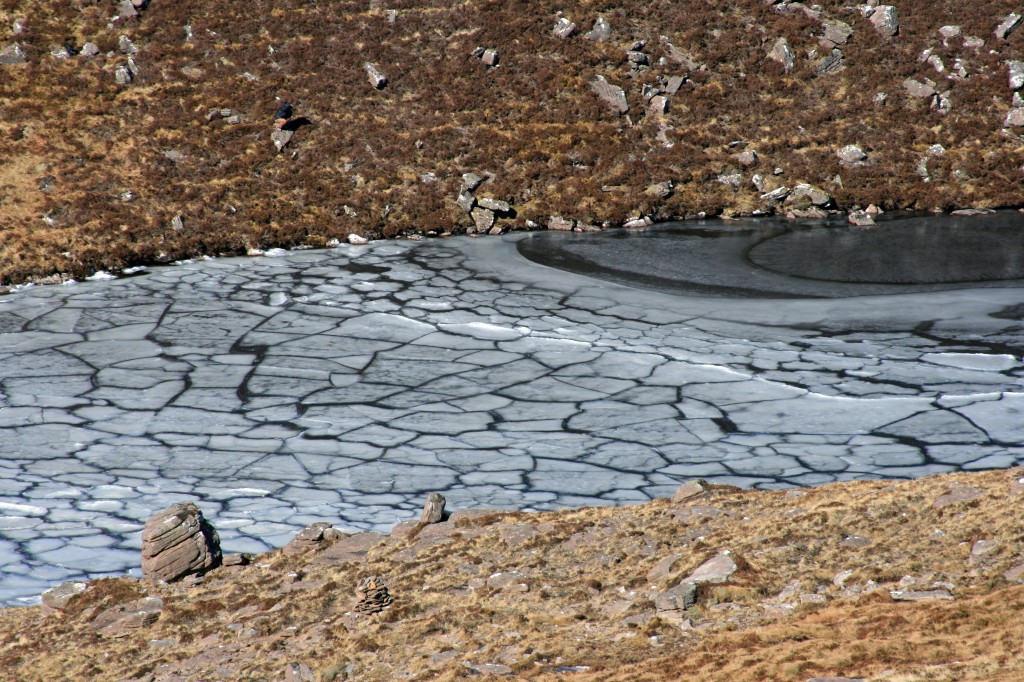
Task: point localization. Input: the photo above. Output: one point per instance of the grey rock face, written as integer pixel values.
(377, 79)
(483, 219)
(1007, 26)
(601, 32)
(783, 54)
(678, 598)
(90, 50)
(860, 219)
(123, 75)
(495, 205)
(612, 95)
(1015, 118)
(126, 46)
(560, 224)
(886, 20)
(281, 138)
(126, 10)
(12, 54)
(716, 570)
(490, 57)
(177, 542)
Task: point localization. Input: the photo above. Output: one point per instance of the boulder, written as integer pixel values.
(860, 219)
(126, 10)
(661, 190)
(830, 63)
(918, 89)
(658, 104)
(470, 182)
(612, 95)
(1015, 118)
(678, 598)
(1007, 26)
(177, 542)
(281, 138)
(490, 57)
(560, 224)
(433, 509)
(58, 597)
(747, 158)
(886, 20)
(377, 79)
(950, 31)
(90, 50)
(601, 32)
(312, 538)
(690, 489)
(783, 54)
(125, 44)
(495, 205)
(564, 28)
(1016, 69)
(12, 54)
(835, 33)
(123, 75)
(483, 219)
(851, 154)
(716, 570)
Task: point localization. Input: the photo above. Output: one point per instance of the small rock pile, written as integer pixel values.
(372, 596)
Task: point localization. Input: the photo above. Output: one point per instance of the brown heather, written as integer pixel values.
(533, 122)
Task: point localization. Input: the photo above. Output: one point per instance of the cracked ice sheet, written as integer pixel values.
(346, 385)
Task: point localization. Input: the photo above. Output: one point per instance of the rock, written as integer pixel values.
(60, 52)
(660, 190)
(638, 222)
(663, 568)
(1015, 574)
(637, 58)
(812, 213)
(974, 42)
(747, 158)
(886, 20)
(177, 223)
(177, 542)
(377, 79)
(601, 32)
(776, 196)
(689, 490)
(123, 75)
(612, 95)
(495, 205)
(926, 595)
(918, 89)
(483, 219)
(731, 179)
(126, 46)
(312, 538)
(509, 581)
(836, 33)
(90, 50)
(58, 597)
(830, 64)
(716, 570)
(281, 137)
(466, 201)
(658, 104)
(812, 194)
(240, 559)
(356, 239)
(12, 54)
(298, 672)
(433, 509)
(489, 668)
(1007, 26)
(960, 495)
(860, 219)
(560, 224)
(126, 10)
(490, 57)
(678, 598)
(673, 83)
(982, 547)
(851, 154)
(1014, 118)
(1016, 69)
(121, 620)
(372, 596)
(470, 182)
(783, 54)
(949, 31)
(564, 28)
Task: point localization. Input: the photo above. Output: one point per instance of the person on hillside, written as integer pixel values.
(284, 112)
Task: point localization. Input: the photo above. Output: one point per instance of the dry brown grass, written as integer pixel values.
(533, 122)
(589, 602)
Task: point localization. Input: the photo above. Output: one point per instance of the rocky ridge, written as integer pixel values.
(873, 580)
(142, 132)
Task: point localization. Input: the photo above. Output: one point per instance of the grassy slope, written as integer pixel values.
(589, 597)
(534, 122)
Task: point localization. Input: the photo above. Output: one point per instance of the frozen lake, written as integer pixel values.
(345, 385)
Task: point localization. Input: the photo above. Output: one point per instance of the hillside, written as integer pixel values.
(147, 138)
(881, 580)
